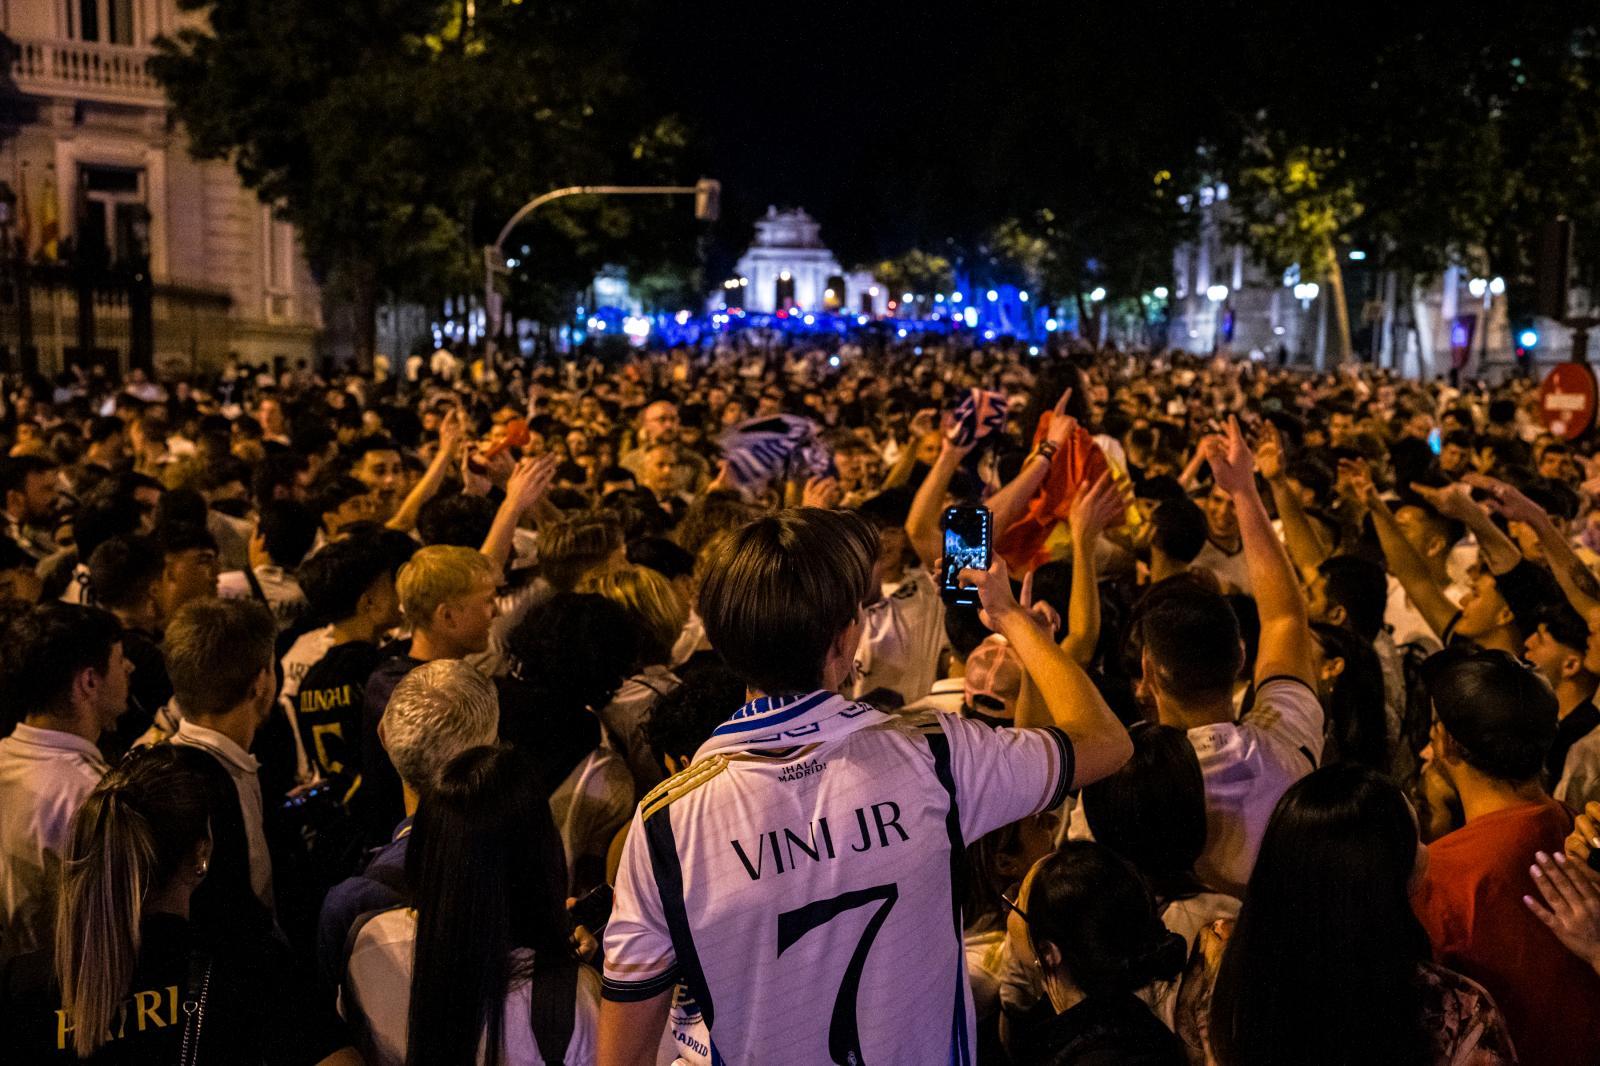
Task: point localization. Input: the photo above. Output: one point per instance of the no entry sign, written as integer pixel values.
(1567, 400)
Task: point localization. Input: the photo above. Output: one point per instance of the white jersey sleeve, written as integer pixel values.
(639, 958)
(1289, 717)
(1003, 775)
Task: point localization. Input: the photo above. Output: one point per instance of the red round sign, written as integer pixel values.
(1567, 400)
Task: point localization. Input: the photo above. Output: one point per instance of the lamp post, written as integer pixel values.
(707, 195)
(141, 324)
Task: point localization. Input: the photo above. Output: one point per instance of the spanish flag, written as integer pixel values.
(1041, 534)
(49, 219)
(24, 216)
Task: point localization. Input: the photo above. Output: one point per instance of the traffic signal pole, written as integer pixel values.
(707, 195)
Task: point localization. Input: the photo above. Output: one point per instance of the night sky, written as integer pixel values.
(900, 124)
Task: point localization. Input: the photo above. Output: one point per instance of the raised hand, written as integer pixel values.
(1356, 476)
(452, 432)
(1232, 465)
(996, 603)
(1096, 508)
(1269, 452)
(1452, 501)
(530, 480)
(1040, 609)
(1507, 500)
(821, 492)
(1062, 425)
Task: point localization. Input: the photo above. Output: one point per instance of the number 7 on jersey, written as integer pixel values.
(844, 1039)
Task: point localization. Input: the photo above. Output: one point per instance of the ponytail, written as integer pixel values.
(108, 870)
(130, 838)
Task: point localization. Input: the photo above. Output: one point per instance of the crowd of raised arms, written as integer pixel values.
(611, 712)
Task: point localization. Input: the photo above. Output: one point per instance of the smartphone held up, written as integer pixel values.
(967, 535)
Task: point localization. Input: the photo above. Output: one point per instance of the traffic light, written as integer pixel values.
(1526, 336)
(707, 199)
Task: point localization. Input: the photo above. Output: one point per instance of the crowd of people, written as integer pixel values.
(612, 711)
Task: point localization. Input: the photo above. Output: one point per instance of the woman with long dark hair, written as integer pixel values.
(1152, 812)
(1350, 685)
(1086, 922)
(132, 979)
(480, 967)
(1328, 963)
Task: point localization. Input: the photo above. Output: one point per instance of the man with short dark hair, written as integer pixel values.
(1556, 649)
(219, 657)
(64, 682)
(805, 807)
(124, 573)
(284, 534)
(1178, 533)
(1193, 653)
(1494, 721)
(28, 486)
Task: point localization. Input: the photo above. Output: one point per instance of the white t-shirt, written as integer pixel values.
(901, 637)
(783, 885)
(377, 996)
(1248, 765)
(1580, 774)
(1229, 569)
(45, 775)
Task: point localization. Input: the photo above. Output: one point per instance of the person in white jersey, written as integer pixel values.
(800, 876)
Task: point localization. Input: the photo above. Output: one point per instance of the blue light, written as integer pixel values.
(988, 334)
(810, 320)
(939, 298)
(862, 320)
(1033, 349)
(833, 360)
(992, 295)
(1051, 325)
(1357, 255)
(1023, 295)
(901, 332)
(1528, 338)
(917, 350)
(957, 298)
(971, 315)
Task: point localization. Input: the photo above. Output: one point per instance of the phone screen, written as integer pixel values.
(966, 546)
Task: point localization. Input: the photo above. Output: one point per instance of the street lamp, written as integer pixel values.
(1478, 286)
(1097, 294)
(1159, 292)
(1217, 293)
(707, 194)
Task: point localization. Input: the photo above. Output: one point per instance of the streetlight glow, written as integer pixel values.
(1097, 294)
(1497, 286)
(1159, 292)
(1478, 286)
(1217, 293)
(992, 295)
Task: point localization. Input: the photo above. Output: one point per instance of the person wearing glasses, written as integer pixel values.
(1086, 922)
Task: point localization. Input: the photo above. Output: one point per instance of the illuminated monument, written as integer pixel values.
(789, 268)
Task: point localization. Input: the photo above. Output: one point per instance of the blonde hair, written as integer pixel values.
(436, 575)
(651, 598)
(130, 837)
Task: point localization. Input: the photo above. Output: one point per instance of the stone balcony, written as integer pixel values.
(110, 73)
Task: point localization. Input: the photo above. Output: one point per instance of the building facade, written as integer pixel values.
(787, 267)
(101, 173)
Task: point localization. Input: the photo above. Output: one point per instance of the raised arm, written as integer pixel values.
(1500, 553)
(1286, 644)
(1404, 562)
(1012, 499)
(526, 486)
(1577, 581)
(1307, 548)
(1094, 509)
(924, 423)
(1068, 698)
(452, 432)
(922, 521)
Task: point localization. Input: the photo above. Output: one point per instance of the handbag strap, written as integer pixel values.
(196, 990)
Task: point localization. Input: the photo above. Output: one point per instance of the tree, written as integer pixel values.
(914, 271)
(397, 134)
(1291, 204)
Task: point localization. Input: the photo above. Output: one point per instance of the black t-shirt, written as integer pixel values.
(257, 1012)
(329, 709)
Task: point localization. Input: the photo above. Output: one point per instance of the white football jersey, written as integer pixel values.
(808, 896)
